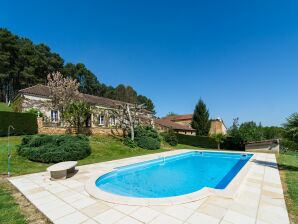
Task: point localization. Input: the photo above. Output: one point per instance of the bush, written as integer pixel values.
(54, 148)
(197, 141)
(128, 142)
(35, 111)
(233, 143)
(23, 123)
(171, 138)
(148, 143)
(147, 137)
(287, 145)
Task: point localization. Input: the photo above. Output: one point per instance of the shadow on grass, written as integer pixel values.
(276, 166)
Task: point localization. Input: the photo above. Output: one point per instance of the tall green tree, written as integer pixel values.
(291, 128)
(149, 105)
(250, 131)
(23, 64)
(130, 95)
(200, 119)
(88, 81)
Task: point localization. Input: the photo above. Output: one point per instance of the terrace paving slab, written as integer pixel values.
(255, 197)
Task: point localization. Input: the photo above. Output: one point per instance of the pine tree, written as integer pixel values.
(200, 119)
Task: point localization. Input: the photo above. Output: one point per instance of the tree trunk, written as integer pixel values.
(218, 146)
(132, 132)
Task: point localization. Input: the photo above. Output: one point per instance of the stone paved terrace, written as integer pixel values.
(259, 198)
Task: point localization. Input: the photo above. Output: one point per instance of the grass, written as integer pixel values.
(9, 210)
(19, 165)
(103, 149)
(288, 166)
(4, 107)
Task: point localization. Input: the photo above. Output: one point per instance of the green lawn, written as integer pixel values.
(4, 107)
(103, 149)
(9, 209)
(19, 165)
(288, 166)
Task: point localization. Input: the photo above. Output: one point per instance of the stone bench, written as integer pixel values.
(60, 170)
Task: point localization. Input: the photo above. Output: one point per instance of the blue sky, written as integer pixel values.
(241, 57)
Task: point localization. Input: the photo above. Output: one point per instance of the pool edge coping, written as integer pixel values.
(229, 192)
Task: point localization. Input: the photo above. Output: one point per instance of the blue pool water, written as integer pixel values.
(174, 175)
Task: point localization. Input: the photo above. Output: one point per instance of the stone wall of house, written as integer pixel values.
(217, 127)
(88, 131)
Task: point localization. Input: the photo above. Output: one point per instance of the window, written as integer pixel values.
(112, 121)
(101, 120)
(54, 115)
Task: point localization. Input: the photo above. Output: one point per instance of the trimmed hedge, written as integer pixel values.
(197, 141)
(231, 144)
(23, 123)
(54, 148)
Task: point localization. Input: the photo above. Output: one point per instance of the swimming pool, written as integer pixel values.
(174, 175)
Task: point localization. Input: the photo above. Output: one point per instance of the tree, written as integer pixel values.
(200, 119)
(131, 95)
(234, 133)
(171, 114)
(128, 117)
(272, 132)
(88, 81)
(219, 138)
(250, 131)
(23, 64)
(148, 104)
(291, 128)
(76, 114)
(63, 91)
(120, 93)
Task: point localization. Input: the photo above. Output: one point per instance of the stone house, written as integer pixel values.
(182, 124)
(102, 116)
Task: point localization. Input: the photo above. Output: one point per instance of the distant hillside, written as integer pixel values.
(24, 64)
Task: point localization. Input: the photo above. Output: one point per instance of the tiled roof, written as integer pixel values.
(169, 122)
(37, 90)
(179, 117)
(44, 91)
(97, 100)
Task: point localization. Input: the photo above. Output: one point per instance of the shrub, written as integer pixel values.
(233, 143)
(287, 145)
(147, 137)
(128, 142)
(171, 138)
(54, 148)
(23, 123)
(148, 143)
(198, 141)
(35, 111)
